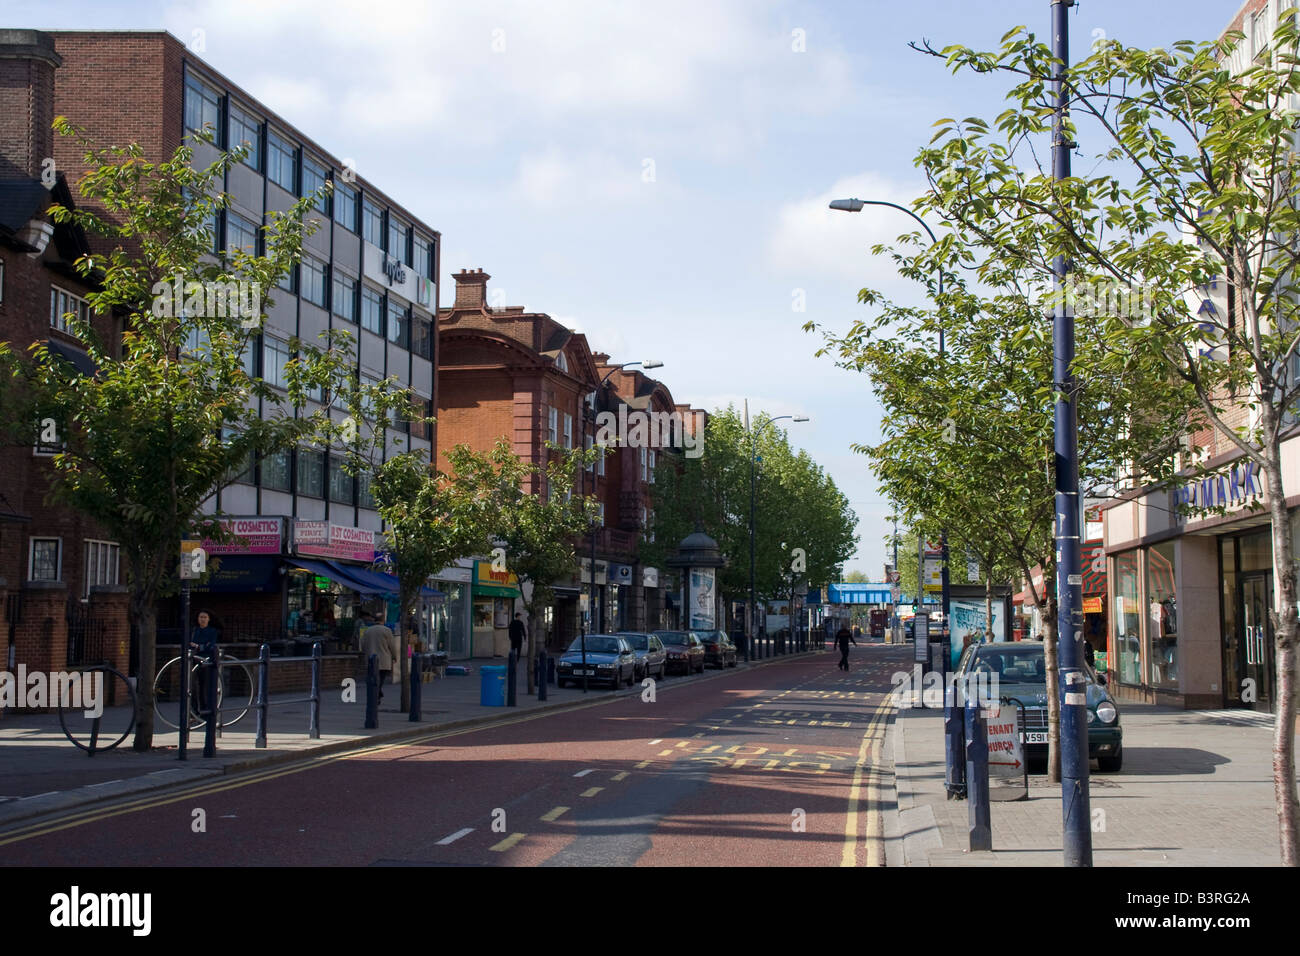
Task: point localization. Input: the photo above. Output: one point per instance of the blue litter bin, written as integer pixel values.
(492, 688)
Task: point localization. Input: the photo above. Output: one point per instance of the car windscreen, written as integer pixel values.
(671, 637)
(1013, 666)
(639, 642)
(596, 644)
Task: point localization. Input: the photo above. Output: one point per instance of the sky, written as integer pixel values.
(652, 173)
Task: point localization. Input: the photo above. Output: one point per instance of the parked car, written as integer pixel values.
(718, 648)
(609, 659)
(685, 651)
(1022, 674)
(651, 658)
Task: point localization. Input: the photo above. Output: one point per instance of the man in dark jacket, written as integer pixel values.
(517, 636)
(842, 638)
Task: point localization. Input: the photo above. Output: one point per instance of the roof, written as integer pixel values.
(21, 200)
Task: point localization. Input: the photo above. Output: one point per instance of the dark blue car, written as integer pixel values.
(609, 659)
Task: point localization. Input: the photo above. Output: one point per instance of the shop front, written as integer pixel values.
(1191, 591)
(451, 622)
(494, 597)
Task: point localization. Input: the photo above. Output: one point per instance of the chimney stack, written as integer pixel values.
(471, 289)
(27, 65)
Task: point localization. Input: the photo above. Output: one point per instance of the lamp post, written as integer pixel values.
(591, 597)
(855, 205)
(753, 452)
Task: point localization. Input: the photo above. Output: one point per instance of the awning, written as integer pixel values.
(78, 359)
(326, 570)
(382, 582)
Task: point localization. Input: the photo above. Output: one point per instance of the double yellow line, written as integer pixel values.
(869, 751)
(81, 818)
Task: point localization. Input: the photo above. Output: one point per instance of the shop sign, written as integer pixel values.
(324, 540)
(620, 574)
(650, 577)
(1092, 605)
(484, 574)
(701, 598)
(1233, 489)
(253, 535)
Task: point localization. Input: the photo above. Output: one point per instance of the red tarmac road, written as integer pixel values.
(779, 765)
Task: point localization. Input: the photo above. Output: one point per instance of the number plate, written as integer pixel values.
(581, 673)
(1036, 737)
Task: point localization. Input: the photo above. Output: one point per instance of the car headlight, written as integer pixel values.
(1106, 712)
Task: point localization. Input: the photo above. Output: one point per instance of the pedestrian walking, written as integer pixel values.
(842, 638)
(517, 634)
(203, 642)
(379, 640)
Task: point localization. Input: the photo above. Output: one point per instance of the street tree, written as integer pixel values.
(170, 416)
(1195, 183)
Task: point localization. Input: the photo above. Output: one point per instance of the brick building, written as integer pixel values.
(523, 375)
(371, 268)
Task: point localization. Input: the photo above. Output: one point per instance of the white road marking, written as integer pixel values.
(583, 773)
(455, 836)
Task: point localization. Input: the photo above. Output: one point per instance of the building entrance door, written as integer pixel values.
(1254, 657)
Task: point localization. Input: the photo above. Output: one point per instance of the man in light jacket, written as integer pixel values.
(380, 640)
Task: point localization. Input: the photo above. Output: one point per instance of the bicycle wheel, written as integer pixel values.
(167, 691)
(237, 688)
(113, 698)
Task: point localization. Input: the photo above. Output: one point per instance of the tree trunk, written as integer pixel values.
(404, 668)
(532, 650)
(1050, 662)
(145, 618)
(1285, 624)
(988, 605)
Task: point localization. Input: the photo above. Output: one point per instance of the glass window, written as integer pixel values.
(281, 162)
(641, 457)
(249, 356)
(275, 470)
(275, 355)
(64, 304)
(315, 281)
(1128, 617)
(341, 483)
(552, 425)
(202, 107)
(372, 310)
(345, 205)
(289, 281)
(422, 336)
(44, 563)
(246, 130)
(241, 233)
(568, 430)
(345, 296)
(242, 471)
(313, 178)
(652, 467)
(311, 472)
(1162, 615)
(398, 234)
(365, 495)
(372, 223)
(422, 256)
(103, 560)
(399, 323)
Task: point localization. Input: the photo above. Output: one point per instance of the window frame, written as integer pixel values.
(288, 471)
(311, 266)
(335, 471)
(194, 83)
(59, 310)
(31, 556)
(553, 425)
(372, 214)
(256, 229)
(338, 278)
(311, 165)
(274, 144)
(382, 309)
(351, 200)
(254, 160)
(303, 459)
(111, 548)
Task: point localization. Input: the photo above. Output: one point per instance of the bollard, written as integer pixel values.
(184, 719)
(417, 685)
(977, 776)
(313, 727)
(263, 694)
(372, 692)
(210, 729)
(545, 664)
(512, 677)
(954, 730)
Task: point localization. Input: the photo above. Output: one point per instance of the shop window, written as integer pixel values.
(1162, 616)
(1128, 617)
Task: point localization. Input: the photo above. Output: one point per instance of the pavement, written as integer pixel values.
(41, 772)
(1196, 789)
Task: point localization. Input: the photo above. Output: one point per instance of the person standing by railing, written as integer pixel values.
(203, 642)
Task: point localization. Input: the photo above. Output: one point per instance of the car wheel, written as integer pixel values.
(1112, 763)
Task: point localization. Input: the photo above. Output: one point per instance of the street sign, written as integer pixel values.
(1007, 772)
(921, 637)
(194, 560)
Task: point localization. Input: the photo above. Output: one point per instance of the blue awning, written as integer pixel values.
(866, 593)
(326, 569)
(378, 581)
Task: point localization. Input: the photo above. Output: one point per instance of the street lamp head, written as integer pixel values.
(848, 205)
(801, 418)
(652, 364)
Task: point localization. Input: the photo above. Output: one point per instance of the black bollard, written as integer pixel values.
(210, 730)
(512, 679)
(977, 776)
(372, 692)
(417, 685)
(263, 695)
(547, 675)
(313, 721)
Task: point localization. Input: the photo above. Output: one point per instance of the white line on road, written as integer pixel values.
(455, 836)
(104, 783)
(657, 740)
(583, 773)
